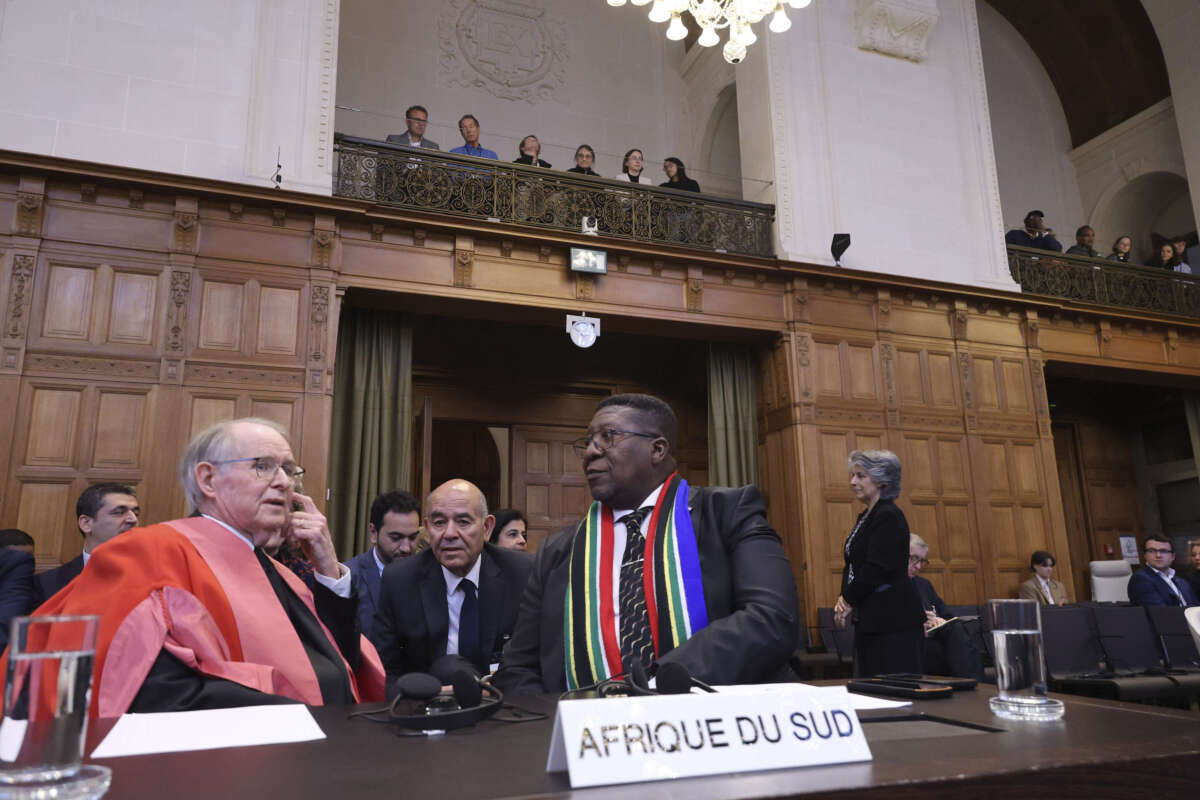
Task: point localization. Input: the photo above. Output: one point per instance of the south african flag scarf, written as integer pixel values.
(672, 582)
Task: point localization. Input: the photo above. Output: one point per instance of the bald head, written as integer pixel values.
(458, 524)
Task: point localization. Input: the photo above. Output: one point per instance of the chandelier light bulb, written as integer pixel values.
(709, 38)
(779, 22)
(617, 3)
(644, 2)
(797, 4)
(659, 12)
(743, 34)
(734, 51)
(676, 30)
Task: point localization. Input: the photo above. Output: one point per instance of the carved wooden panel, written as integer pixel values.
(997, 469)
(53, 426)
(1025, 468)
(45, 512)
(547, 479)
(69, 302)
(1016, 388)
(282, 411)
(941, 380)
(987, 394)
(835, 447)
(278, 320)
(207, 411)
(917, 464)
(910, 378)
(133, 310)
(860, 369)
(828, 369)
(120, 427)
(1004, 529)
(221, 315)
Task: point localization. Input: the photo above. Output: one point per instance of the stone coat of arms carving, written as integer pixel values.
(510, 49)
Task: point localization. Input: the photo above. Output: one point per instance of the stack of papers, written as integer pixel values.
(178, 731)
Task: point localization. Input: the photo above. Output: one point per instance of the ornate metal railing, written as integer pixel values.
(500, 191)
(1101, 282)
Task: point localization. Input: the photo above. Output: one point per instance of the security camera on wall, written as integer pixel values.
(589, 225)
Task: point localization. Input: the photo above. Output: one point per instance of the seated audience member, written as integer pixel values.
(1180, 245)
(102, 511)
(16, 539)
(1034, 234)
(1193, 574)
(736, 621)
(194, 614)
(677, 177)
(16, 578)
(468, 126)
(1156, 584)
(416, 118)
(394, 529)
(1164, 258)
(631, 167)
(459, 597)
(530, 149)
(1042, 587)
(585, 157)
(1085, 237)
(1120, 249)
(509, 530)
(948, 648)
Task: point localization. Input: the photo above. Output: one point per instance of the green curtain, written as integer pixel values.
(371, 447)
(732, 416)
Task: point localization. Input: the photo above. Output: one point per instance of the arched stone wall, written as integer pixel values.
(1153, 202)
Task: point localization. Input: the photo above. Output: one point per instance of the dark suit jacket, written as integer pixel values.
(402, 138)
(1149, 589)
(366, 580)
(929, 597)
(50, 582)
(16, 588)
(412, 619)
(882, 595)
(749, 593)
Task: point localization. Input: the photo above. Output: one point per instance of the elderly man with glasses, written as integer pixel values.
(1156, 584)
(195, 614)
(657, 572)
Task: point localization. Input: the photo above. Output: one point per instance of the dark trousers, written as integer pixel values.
(950, 651)
(894, 651)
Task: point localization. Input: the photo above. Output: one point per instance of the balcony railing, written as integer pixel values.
(499, 191)
(1101, 282)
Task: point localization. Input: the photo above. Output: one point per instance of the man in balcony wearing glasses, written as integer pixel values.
(416, 118)
(657, 572)
(194, 614)
(1156, 584)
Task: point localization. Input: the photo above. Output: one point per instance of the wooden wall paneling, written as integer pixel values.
(548, 480)
(221, 321)
(45, 510)
(69, 307)
(278, 321)
(134, 309)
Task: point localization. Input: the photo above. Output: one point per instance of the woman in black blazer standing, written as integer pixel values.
(889, 622)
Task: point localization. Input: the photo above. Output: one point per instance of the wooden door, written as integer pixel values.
(547, 478)
(1079, 537)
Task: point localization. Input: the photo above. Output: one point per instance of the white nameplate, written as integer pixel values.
(626, 740)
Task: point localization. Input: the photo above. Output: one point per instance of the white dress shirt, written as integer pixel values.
(1168, 575)
(339, 585)
(1046, 589)
(378, 563)
(454, 601)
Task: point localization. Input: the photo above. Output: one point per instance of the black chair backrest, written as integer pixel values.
(1070, 641)
(1126, 638)
(1174, 636)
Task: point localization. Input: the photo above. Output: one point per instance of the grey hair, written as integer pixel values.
(882, 467)
(214, 443)
(917, 542)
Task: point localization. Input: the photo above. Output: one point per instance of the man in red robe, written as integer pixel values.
(194, 614)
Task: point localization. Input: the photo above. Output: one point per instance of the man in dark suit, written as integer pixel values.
(1155, 584)
(394, 528)
(948, 646)
(416, 118)
(458, 598)
(102, 511)
(734, 588)
(16, 578)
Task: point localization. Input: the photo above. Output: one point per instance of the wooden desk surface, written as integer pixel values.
(1099, 750)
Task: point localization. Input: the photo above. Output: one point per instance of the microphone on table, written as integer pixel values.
(674, 678)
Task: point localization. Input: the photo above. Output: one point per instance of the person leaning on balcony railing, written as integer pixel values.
(530, 149)
(468, 126)
(585, 157)
(416, 118)
(1164, 257)
(1035, 234)
(631, 167)
(1085, 237)
(1120, 249)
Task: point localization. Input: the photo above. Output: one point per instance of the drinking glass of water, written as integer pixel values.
(47, 689)
(1020, 666)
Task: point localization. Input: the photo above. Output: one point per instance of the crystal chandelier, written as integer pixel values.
(714, 15)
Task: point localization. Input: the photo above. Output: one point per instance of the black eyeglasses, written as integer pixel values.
(605, 439)
(917, 560)
(266, 466)
(1158, 551)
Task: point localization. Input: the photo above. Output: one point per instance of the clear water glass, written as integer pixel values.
(1020, 664)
